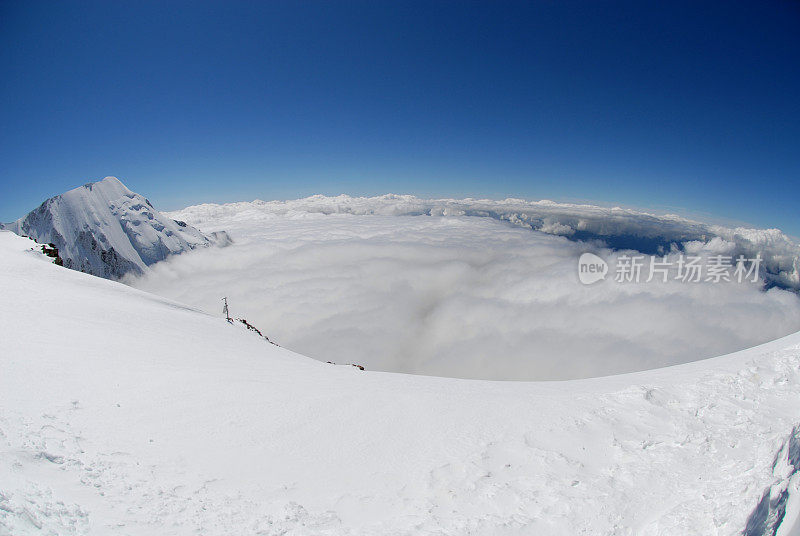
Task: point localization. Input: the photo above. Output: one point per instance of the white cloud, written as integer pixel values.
(454, 295)
(618, 227)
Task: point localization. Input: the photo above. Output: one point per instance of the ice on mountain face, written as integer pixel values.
(104, 229)
(770, 515)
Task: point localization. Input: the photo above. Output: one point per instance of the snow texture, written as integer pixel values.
(125, 413)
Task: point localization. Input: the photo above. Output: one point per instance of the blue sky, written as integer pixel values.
(675, 106)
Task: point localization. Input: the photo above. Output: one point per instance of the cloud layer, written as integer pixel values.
(457, 295)
(619, 228)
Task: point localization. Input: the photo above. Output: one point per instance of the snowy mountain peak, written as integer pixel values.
(105, 229)
(109, 184)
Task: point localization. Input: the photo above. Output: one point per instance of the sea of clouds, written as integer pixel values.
(476, 288)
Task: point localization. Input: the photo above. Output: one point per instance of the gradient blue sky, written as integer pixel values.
(681, 106)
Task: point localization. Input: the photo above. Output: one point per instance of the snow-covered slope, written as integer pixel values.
(104, 229)
(125, 413)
